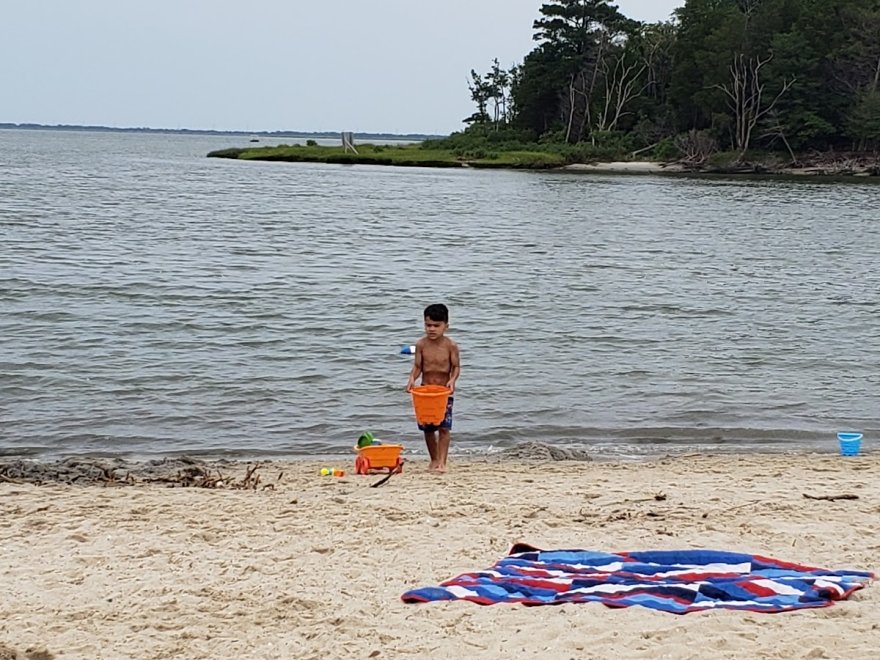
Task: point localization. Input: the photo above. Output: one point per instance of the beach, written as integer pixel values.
(628, 167)
(303, 566)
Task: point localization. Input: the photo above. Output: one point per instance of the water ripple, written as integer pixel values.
(155, 302)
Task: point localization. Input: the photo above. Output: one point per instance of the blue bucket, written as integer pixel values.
(850, 443)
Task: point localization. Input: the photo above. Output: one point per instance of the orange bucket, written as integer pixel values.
(429, 402)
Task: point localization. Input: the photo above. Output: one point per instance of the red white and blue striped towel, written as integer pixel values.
(677, 581)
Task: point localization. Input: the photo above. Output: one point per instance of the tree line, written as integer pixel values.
(722, 75)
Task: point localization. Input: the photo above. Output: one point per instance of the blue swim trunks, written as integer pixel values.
(445, 424)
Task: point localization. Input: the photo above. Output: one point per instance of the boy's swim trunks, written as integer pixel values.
(445, 424)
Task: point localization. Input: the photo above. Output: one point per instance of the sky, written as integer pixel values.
(369, 66)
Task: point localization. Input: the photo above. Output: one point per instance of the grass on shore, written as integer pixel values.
(400, 155)
(534, 156)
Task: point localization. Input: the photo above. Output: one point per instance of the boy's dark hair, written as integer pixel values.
(437, 312)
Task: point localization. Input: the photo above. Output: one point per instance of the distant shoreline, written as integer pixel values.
(654, 167)
(427, 154)
(318, 135)
(628, 167)
(821, 167)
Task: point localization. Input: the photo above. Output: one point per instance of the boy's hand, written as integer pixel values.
(409, 385)
(451, 386)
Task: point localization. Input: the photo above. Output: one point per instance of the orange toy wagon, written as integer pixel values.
(378, 457)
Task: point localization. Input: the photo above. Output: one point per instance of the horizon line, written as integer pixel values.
(279, 133)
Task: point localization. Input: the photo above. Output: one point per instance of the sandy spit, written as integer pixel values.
(628, 167)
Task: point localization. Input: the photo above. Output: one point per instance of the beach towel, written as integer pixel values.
(677, 581)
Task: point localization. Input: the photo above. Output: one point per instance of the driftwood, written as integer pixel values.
(831, 498)
(643, 150)
(175, 473)
(205, 477)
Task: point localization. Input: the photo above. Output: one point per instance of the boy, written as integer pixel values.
(436, 361)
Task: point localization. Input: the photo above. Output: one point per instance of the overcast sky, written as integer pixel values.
(392, 66)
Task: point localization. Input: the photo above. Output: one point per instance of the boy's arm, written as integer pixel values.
(454, 367)
(416, 370)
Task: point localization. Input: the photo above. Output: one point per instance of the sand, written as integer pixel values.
(315, 568)
(628, 167)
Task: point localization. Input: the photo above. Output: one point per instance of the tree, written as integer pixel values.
(747, 6)
(652, 114)
(498, 81)
(710, 33)
(834, 45)
(481, 92)
(657, 41)
(623, 82)
(494, 86)
(573, 24)
(535, 91)
(856, 64)
(579, 33)
(864, 120)
(724, 74)
(745, 96)
(804, 115)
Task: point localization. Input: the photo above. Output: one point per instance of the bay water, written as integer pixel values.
(156, 302)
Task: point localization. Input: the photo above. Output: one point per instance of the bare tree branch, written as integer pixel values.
(745, 97)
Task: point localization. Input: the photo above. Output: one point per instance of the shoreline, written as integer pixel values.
(600, 444)
(628, 167)
(317, 563)
(827, 166)
(91, 467)
(653, 167)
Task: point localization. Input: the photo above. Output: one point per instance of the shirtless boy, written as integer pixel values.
(436, 361)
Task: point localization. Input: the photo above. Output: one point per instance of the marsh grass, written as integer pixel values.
(413, 155)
